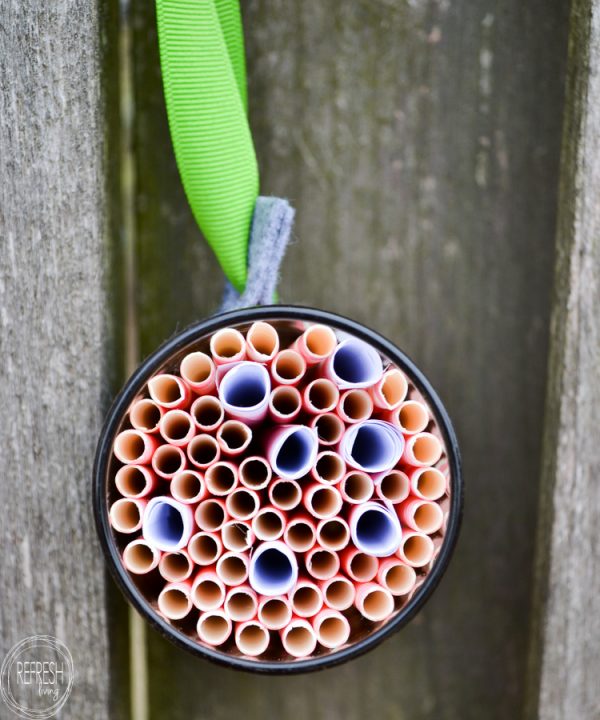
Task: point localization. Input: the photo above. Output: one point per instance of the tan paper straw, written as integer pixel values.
(207, 413)
(359, 566)
(241, 603)
(329, 468)
(251, 638)
(411, 417)
(227, 346)
(176, 566)
(144, 415)
(174, 600)
(397, 577)
(322, 501)
(140, 558)
(242, 504)
(221, 478)
(269, 523)
(232, 568)
(234, 437)
(394, 486)
(169, 391)
(135, 481)
(416, 549)
(285, 494)
(214, 627)
(428, 483)
(356, 487)
(254, 472)
(374, 602)
(300, 533)
(188, 487)
(134, 447)
(237, 535)
(333, 534)
(422, 449)
(390, 391)
(126, 515)
(208, 591)
(167, 461)
(321, 563)
(330, 428)
(198, 371)
(320, 396)
(177, 427)
(211, 514)
(274, 612)
(316, 343)
(355, 406)
(288, 368)
(205, 547)
(338, 592)
(298, 638)
(332, 628)
(285, 404)
(421, 515)
(203, 451)
(262, 342)
(306, 598)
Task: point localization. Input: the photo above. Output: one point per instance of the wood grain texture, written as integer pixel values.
(419, 142)
(565, 653)
(54, 337)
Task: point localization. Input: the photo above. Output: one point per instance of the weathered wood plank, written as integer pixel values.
(565, 652)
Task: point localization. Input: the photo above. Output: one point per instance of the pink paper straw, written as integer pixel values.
(338, 592)
(133, 447)
(306, 599)
(316, 344)
(144, 415)
(333, 534)
(232, 568)
(329, 468)
(167, 461)
(390, 391)
(355, 406)
(356, 487)
(374, 602)
(411, 417)
(208, 591)
(288, 368)
(227, 346)
(254, 472)
(198, 371)
(285, 404)
(242, 504)
(393, 486)
(416, 549)
(241, 603)
(207, 413)
(237, 535)
(234, 437)
(397, 577)
(262, 342)
(421, 515)
(135, 481)
(332, 628)
(274, 612)
(285, 494)
(422, 450)
(329, 428)
(321, 564)
(177, 428)
(168, 525)
(359, 566)
(188, 487)
(205, 548)
(221, 478)
(300, 533)
(428, 483)
(140, 558)
(169, 391)
(269, 523)
(211, 514)
(203, 451)
(322, 501)
(298, 638)
(126, 515)
(251, 638)
(214, 627)
(320, 396)
(176, 566)
(174, 601)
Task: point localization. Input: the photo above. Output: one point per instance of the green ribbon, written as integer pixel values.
(204, 76)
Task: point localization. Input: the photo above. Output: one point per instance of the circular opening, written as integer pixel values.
(207, 594)
(176, 425)
(377, 605)
(285, 401)
(333, 631)
(253, 640)
(320, 340)
(242, 504)
(330, 428)
(145, 415)
(330, 467)
(240, 605)
(299, 641)
(394, 487)
(322, 395)
(130, 446)
(210, 515)
(306, 601)
(203, 450)
(363, 567)
(268, 525)
(418, 550)
(227, 343)
(165, 390)
(196, 367)
(357, 405)
(254, 473)
(334, 534)
(300, 536)
(394, 387)
(275, 613)
(163, 525)
(174, 603)
(413, 416)
(285, 494)
(131, 480)
(400, 579)
(274, 570)
(232, 569)
(263, 338)
(325, 502)
(427, 449)
(288, 365)
(371, 444)
(358, 487)
(125, 516)
(428, 518)
(138, 557)
(339, 594)
(175, 567)
(323, 564)
(236, 536)
(220, 478)
(234, 435)
(204, 549)
(207, 412)
(431, 484)
(355, 362)
(186, 486)
(375, 532)
(168, 460)
(249, 392)
(213, 629)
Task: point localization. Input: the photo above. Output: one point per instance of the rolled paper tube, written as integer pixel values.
(176, 566)
(205, 548)
(356, 487)
(133, 447)
(411, 417)
(397, 577)
(291, 450)
(232, 568)
(188, 487)
(422, 450)
(273, 569)
(144, 415)
(174, 601)
(208, 591)
(221, 478)
(359, 566)
(288, 368)
(374, 446)
(416, 549)
(329, 468)
(300, 534)
(198, 371)
(322, 501)
(140, 558)
(242, 504)
(427, 483)
(262, 342)
(333, 534)
(251, 638)
(127, 514)
(285, 494)
(390, 391)
(322, 564)
(355, 406)
(332, 628)
(203, 450)
(237, 536)
(244, 392)
(274, 612)
(338, 592)
(211, 514)
(306, 599)
(375, 529)
(234, 437)
(285, 404)
(316, 344)
(135, 481)
(169, 391)
(298, 638)
(329, 427)
(167, 461)
(422, 515)
(177, 427)
(374, 602)
(214, 627)
(254, 472)
(168, 524)
(353, 364)
(241, 603)
(393, 486)
(207, 413)
(269, 523)
(320, 396)
(227, 346)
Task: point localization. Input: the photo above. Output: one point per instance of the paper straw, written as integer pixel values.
(269, 523)
(291, 450)
(353, 364)
(244, 392)
(356, 487)
(274, 612)
(211, 514)
(355, 406)
(416, 549)
(167, 461)
(329, 468)
(251, 638)
(169, 391)
(374, 602)
(237, 536)
(205, 547)
(227, 346)
(168, 524)
(234, 437)
(300, 534)
(322, 501)
(285, 494)
(144, 415)
(306, 599)
(298, 638)
(214, 627)
(320, 396)
(329, 428)
(332, 628)
(177, 427)
(422, 450)
(133, 447)
(262, 342)
(427, 483)
(254, 472)
(397, 577)
(322, 564)
(375, 529)
(232, 568)
(373, 446)
(135, 481)
(338, 592)
(242, 504)
(316, 343)
(176, 566)
(333, 534)
(126, 515)
(140, 558)
(203, 451)
(390, 391)
(241, 603)
(221, 478)
(285, 404)
(421, 515)
(359, 566)
(208, 591)
(393, 486)
(207, 413)
(411, 417)
(288, 368)
(198, 371)
(273, 569)
(174, 601)
(188, 487)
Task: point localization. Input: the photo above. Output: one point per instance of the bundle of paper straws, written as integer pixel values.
(296, 493)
